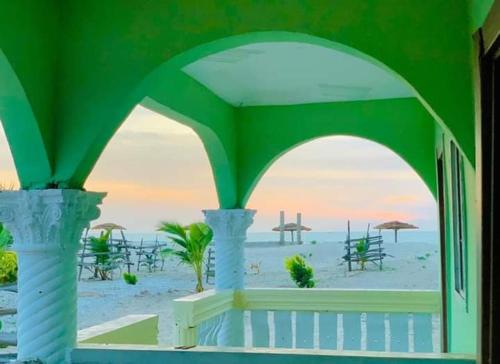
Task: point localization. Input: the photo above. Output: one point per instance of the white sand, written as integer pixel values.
(100, 301)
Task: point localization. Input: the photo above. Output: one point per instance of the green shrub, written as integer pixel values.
(130, 278)
(300, 272)
(5, 238)
(8, 267)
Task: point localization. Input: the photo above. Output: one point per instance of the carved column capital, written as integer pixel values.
(47, 226)
(229, 223)
(42, 220)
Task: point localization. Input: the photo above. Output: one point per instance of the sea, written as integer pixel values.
(404, 236)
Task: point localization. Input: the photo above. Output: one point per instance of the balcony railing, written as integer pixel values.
(371, 320)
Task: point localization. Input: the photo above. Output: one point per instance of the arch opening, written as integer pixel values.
(154, 169)
(147, 162)
(336, 179)
(350, 158)
(379, 123)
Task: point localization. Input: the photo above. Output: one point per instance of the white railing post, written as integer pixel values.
(230, 227)
(47, 226)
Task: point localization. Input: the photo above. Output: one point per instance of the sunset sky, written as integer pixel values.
(156, 169)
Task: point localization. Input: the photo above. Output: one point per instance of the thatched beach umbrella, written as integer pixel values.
(108, 226)
(292, 227)
(395, 225)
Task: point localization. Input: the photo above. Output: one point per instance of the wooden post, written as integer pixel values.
(395, 235)
(139, 259)
(156, 251)
(348, 246)
(127, 252)
(299, 227)
(282, 227)
(380, 250)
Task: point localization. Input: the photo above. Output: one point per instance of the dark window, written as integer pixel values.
(459, 247)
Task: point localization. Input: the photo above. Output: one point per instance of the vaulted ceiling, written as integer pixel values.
(288, 73)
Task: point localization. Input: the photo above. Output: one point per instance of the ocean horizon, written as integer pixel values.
(404, 236)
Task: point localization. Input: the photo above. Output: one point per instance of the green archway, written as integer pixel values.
(83, 81)
(429, 183)
(22, 131)
(401, 125)
(172, 92)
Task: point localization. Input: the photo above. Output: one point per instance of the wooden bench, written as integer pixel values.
(149, 255)
(119, 256)
(374, 254)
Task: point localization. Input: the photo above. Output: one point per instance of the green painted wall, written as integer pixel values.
(462, 311)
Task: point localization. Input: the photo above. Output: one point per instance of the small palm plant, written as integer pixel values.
(100, 247)
(191, 243)
(362, 248)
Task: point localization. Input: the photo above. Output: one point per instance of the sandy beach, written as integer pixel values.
(408, 266)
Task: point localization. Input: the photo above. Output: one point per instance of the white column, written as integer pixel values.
(47, 226)
(282, 227)
(230, 232)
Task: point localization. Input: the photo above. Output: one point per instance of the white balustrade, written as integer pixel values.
(385, 321)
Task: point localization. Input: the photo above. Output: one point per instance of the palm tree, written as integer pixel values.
(100, 247)
(191, 241)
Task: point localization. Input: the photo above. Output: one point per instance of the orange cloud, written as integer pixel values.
(128, 191)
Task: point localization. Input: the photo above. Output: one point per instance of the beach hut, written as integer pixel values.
(292, 227)
(396, 226)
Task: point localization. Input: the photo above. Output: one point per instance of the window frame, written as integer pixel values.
(459, 231)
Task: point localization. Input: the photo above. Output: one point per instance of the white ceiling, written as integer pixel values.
(287, 73)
